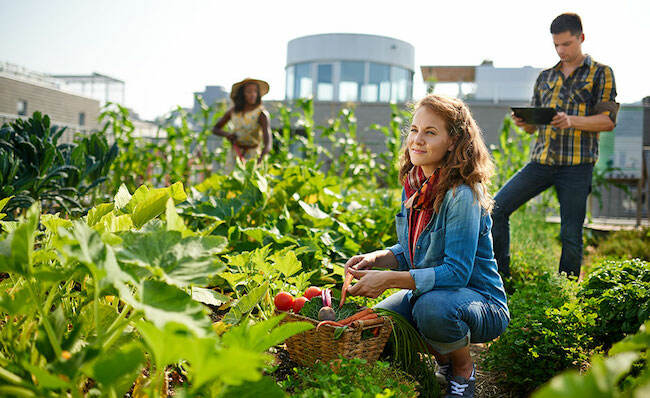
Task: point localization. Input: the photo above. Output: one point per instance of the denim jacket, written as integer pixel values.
(454, 249)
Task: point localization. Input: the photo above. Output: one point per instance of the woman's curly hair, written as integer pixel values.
(469, 162)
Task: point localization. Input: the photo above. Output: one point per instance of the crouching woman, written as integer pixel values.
(443, 261)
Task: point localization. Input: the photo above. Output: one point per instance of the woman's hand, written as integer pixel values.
(361, 261)
(371, 283)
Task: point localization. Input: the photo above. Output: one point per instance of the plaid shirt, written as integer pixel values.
(580, 94)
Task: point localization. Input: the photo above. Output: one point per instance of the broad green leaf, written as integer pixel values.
(122, 198)
(96, 213)
(286, 262)
(207, 361)
(17, 303)
(107, 314)
(210, 297)
(112, 223)
(17, 250)
(636, 342)
(149, 207)
(246, 304)
(4, 201)
(263, 335)
(236, 365)
(265, 387)
(177, 260)
(599, 381)
(121, 363)
(163, 304)
(147, 204)
(313, 210)
(44, 378)
(168, 344)
(84, 245)
(52, 223)
(174, 222)
(233, 280)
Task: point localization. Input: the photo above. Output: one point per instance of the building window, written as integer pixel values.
(290, 82)
(303, 81)
(21, 108)
(82, 118)
(378, 87)
(351, 80)
(400, 84)
(324, 86)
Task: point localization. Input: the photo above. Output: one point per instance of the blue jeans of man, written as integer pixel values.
(572, 185)
(450, 319)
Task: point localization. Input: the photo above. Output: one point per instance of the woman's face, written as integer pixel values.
(428, 141)
(250, 93)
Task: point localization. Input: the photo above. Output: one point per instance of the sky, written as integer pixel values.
(166, 50)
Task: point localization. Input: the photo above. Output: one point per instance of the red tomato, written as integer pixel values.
(312, 292)
(283, 301)
(298, 303)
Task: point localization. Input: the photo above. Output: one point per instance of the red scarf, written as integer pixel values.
(420, 193)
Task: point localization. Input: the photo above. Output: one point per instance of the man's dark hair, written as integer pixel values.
(567, 22)
(240, 100)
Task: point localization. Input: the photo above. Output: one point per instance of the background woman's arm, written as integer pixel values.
(264, 121)
(218, 127)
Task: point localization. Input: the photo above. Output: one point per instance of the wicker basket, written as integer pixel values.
(308, 347)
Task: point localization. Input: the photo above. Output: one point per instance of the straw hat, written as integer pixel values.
(263, 87)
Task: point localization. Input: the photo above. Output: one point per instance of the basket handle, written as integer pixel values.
(369, 324)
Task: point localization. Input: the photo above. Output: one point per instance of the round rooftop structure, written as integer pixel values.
(350, 67)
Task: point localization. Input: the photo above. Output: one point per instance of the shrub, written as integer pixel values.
(35, 167)
(626, 244)
(350, 378)
(618, 292)
(623, 374)
(547, 334)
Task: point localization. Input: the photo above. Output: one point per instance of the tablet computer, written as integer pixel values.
(535, 115)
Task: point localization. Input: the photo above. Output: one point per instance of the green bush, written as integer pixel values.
(547, 334)
(350, 378)
(626, 244)
(618, 292)
(34, 167)
(623, 374)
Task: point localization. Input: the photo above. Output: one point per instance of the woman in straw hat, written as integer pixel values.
(250, 122)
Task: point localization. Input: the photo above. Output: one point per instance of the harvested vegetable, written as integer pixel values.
(326, 295)
(298, 303)
(283, 301)
(326, 314)
(331, 323)
(312, 292)
(357, 316)
(344, 290)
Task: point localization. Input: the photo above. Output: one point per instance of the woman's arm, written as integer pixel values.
(264, 121)
(218, 127)
(462, 229)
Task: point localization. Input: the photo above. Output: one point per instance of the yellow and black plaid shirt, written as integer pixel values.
(582, 94)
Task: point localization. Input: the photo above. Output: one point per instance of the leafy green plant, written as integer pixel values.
(34, 167)
(618, 291)
(547, 334)
(607, 376)
(625, 244)
(350, 378)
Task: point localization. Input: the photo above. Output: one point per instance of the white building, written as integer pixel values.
(345, 67)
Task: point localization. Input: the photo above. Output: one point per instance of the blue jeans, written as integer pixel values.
(450, 319)
(572, 185)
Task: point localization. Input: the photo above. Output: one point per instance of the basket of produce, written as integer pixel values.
(341, 329)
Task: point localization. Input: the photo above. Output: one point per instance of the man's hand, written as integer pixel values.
(519, 122)
(371, 283)
(561, 121)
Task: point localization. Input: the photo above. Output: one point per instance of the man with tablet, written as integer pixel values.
(572, 102)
